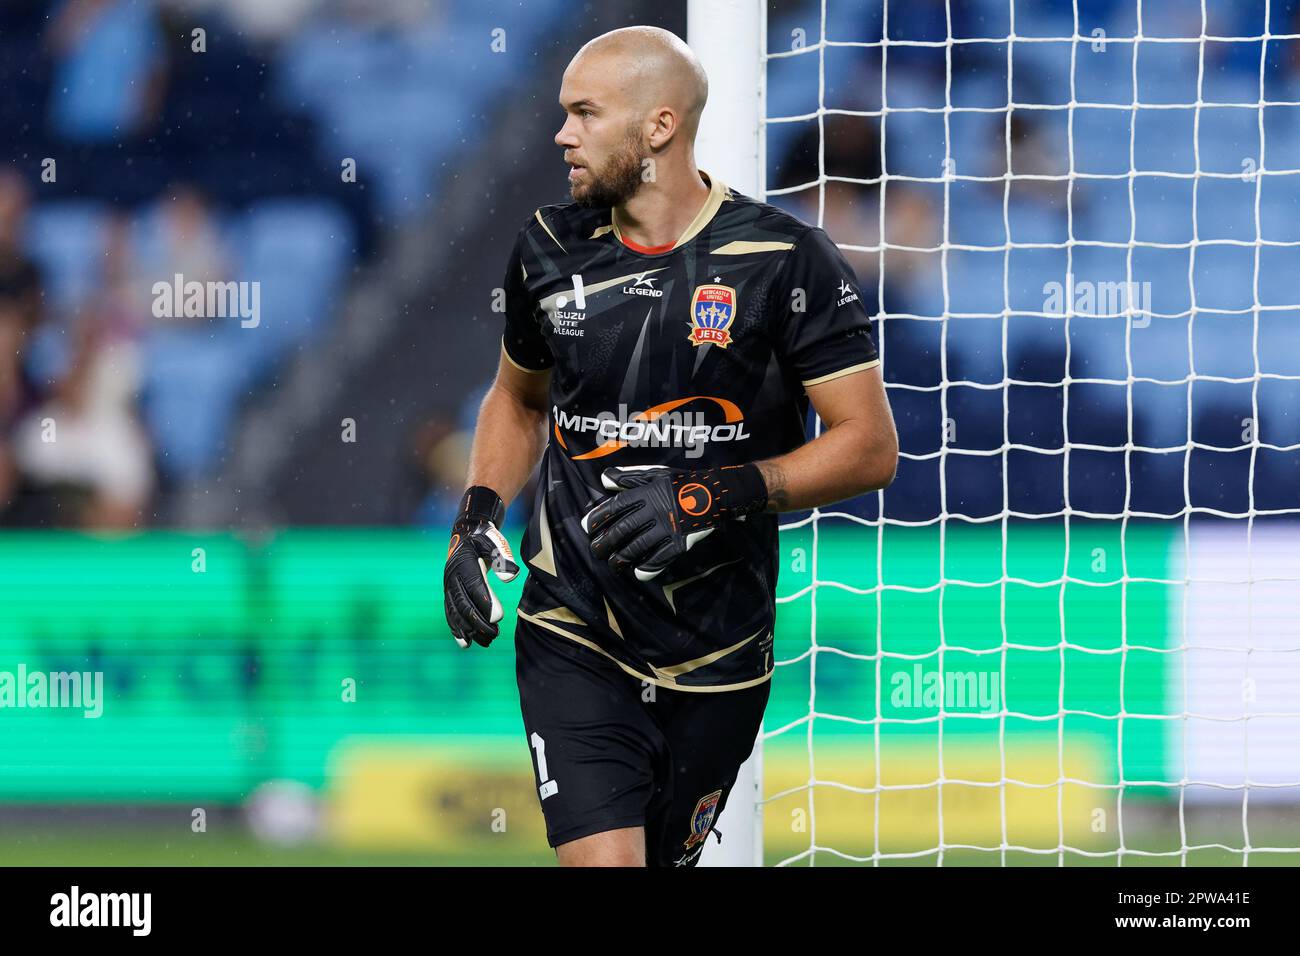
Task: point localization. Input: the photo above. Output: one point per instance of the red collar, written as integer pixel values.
(646, 250)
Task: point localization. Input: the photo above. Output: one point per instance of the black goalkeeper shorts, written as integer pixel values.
(611, 751)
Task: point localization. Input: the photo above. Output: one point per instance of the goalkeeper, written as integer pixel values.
(663, 338)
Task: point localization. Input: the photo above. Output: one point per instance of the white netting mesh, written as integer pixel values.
(1103, 558)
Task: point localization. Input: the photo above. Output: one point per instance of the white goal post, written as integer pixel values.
(730, 37)
(1136, 624)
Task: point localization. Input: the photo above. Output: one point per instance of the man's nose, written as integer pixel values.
(565, 136)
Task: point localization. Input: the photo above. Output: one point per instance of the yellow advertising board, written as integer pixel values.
(433, 795)
(472, 795)
(924, 803)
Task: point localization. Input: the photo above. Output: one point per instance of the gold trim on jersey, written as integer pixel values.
(663, 677)
(521, 368)
(613, 621)
(844, 371)
(561, 614)
(677, 670)
(544, 559)
(742, 247)
(538, 216)
(718, 194)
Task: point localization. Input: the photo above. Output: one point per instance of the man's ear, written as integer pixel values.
(666, 125)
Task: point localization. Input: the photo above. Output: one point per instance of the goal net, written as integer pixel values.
(1066, 634)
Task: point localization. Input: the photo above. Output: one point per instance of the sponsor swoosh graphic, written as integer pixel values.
(730, 409)
(548, 303)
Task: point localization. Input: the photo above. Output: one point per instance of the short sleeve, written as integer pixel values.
(524, 344)
(821, 327)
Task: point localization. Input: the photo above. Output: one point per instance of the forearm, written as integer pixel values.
(844, 461)
(508, 442)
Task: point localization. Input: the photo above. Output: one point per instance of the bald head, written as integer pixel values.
(646, 69)
(633, 100)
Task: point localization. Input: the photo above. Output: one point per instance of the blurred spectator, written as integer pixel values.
(20, 280)
(20, 313)
(439, 463)
(850, 211)
(86, 440)
(1033, 154)
(185, 240)
(439, 459)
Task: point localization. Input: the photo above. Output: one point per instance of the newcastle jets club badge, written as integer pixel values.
(702, 818)
(713, 307)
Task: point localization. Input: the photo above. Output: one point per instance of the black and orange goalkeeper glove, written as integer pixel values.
(658, 513)
(471, 607)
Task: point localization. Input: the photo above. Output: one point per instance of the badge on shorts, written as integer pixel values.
(702, 818)
(713, 307)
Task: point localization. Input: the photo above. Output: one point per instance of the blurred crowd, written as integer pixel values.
(204, 138)
(220, 141)
(980, 176)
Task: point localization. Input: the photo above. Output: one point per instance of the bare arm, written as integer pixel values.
(511, 432)
(856, 452)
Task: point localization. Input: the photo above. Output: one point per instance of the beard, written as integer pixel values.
(618, 179)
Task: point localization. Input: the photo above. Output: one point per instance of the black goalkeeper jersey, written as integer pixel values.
(691, 357)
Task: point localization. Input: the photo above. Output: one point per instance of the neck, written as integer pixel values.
(661, 210)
